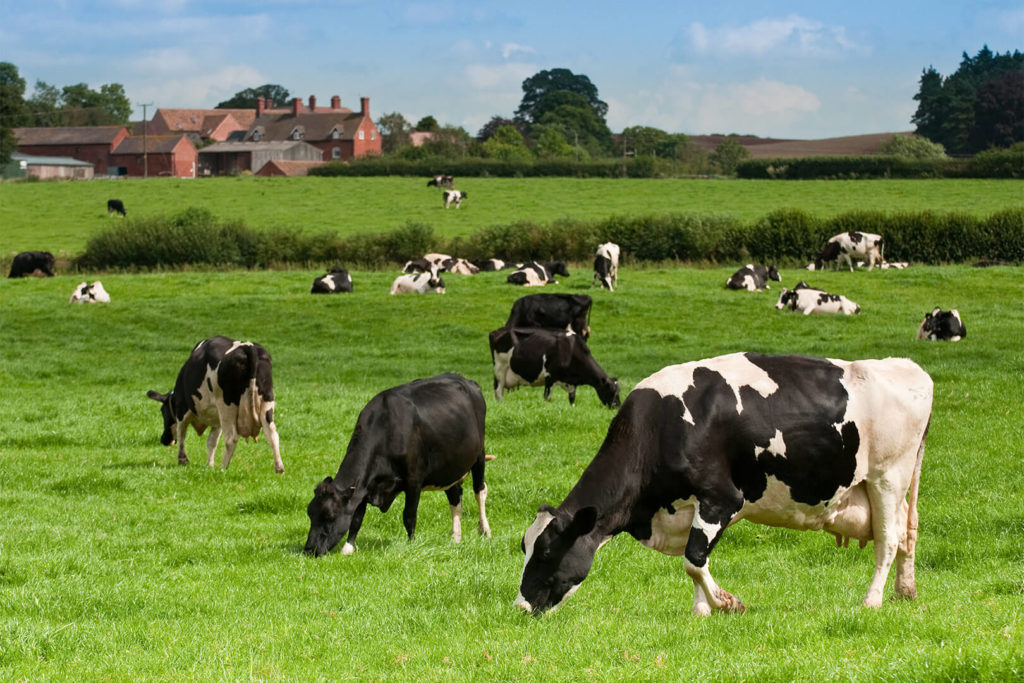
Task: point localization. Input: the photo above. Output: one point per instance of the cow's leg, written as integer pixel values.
(480, 489)
(181, 430)
(412, 502)
(211, 444)
(229, 425)
(886, 508)
(709, 521)
(353, 529)
(906, 585)
(571, 389)
(454, 494)
(267, 422)
(549, 382)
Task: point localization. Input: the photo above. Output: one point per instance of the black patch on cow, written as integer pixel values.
(825, 298)
(269, 415)
(552, 311)
(855, 237)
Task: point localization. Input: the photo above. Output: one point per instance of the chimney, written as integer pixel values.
(312, 103)
(296, 106)
(336, 102)
(261, 105)
(364, 106)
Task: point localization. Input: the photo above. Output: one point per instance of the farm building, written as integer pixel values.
(92, 144)
(200, 125)
(155, 155)
(47, 168)
(291, 169)
(339, 133)
(230, 158)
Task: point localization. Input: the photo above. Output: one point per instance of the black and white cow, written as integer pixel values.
(553, 311)
(115, 206)
(534, 356)
(538, 273)
(753, 278)
(431, 261)
(788, 441)
(453, 197)
(441, 181)
(336, 280)
(606, 265)
(942, 325)
(847, 246)
(28, 262)
(418, 283)
(491, 265)
(426, 435)
(86, 293)
(809, 300)
(227, 385)
(461, 266)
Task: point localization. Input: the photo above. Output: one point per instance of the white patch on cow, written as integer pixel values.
(776, 446)
(348, 548)
(737, 370)
(671, 530)
(529, 541)
(456, 522)
(705, 527)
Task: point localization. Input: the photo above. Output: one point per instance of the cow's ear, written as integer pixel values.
(156, 396)
(583, 521)
(323, 487)
(546, 508)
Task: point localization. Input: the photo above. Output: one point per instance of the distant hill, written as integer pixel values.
(773, 148)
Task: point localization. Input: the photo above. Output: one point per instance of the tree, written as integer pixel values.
(999, 112)
(728, 155)
(449, 142)
(551, 144)
(44, 107)
(83, 106)
(394, 132)
(491, 127)
(246, 99)
(544, 83)
(647, 141)
(507, 144)
(428, 124)
(582, 124)
(913, 147)
(12, 108)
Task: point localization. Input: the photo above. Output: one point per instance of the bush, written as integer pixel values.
(999, 163)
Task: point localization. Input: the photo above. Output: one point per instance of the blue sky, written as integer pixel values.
(775, 69)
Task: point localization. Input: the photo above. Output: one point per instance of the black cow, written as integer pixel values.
(115, 206)
(424, 435)
(753, 278)
(534, 356)
(942, 325)
(553, 311)
(790, 441)
(537, 273)
(336, 280)
(227, 385)
(28, 262)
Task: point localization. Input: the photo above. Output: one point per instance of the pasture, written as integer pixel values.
(60, 217)
(116, 563)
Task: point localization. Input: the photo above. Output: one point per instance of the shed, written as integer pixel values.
(47, 168)
(227, 158)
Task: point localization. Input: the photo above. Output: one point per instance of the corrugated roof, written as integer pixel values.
(33, 160)
(68, 135)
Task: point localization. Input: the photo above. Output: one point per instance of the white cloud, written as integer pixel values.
(511, 48)
(793, 35)
(505, 77)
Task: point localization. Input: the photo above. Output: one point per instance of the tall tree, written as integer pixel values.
(488, 130)
(12, 108)
(544, 83)
(394, 132)
(246, 99)
(428, 124)
(84, 106)
(44, 107)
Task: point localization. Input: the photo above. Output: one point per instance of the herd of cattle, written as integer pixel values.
(784, 440)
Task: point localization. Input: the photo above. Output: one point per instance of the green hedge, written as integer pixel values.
(786, 237)
(995, 163)
(491, 168)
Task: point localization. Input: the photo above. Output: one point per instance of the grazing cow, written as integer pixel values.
(847, 246)
(942, 325)
(336, 280)
(788, 441)
(537, 273)
(422, 436)
(553, 311)
(811, 300)
(115, 206)
(28, 262)
(534, 356)
(418, 283)
(455, 196)
(441, 181)
(606, 265)
(227, 385)
(753, 278)
(491, 265)
(94, 293)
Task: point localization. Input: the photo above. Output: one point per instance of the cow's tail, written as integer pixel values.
(249, 414)
(915, 484)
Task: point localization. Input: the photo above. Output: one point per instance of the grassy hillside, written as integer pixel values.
(60, 217)
(117, 564)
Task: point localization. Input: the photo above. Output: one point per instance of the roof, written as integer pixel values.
(285, 167)
(150, 144)
(69, 135)
(33, 160)
(318, 126)
(272, 145)
(203, 121)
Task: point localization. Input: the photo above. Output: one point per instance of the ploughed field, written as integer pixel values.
(117, 563)
(60, 217)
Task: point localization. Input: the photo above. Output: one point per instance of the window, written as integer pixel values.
(362, 134)
(297, 134)
(256, 136)
(336, 153)
(373, 134)
(335, 134)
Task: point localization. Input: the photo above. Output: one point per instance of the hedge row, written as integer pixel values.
(490, 168)
(786, 236)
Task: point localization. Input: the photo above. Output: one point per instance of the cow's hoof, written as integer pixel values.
(702, 610)
(279, 470)
(348, 549)
(730, 603)
(182, 461)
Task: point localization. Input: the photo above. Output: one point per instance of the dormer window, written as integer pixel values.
(296, 133)
(335, 134)
(257, 135)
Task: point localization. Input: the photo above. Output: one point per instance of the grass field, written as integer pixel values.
(117, 564)
(60, 217)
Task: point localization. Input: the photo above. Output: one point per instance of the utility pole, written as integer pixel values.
(145, 140)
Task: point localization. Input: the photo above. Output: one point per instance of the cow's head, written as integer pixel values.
(786, 298)
(773, 273)
(558, 268)
(330, 515)
(829, 253)
(608, 391)
(558, 557)
(167, 438)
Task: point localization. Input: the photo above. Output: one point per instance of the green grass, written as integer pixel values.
(60, 217)
(117, 564)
